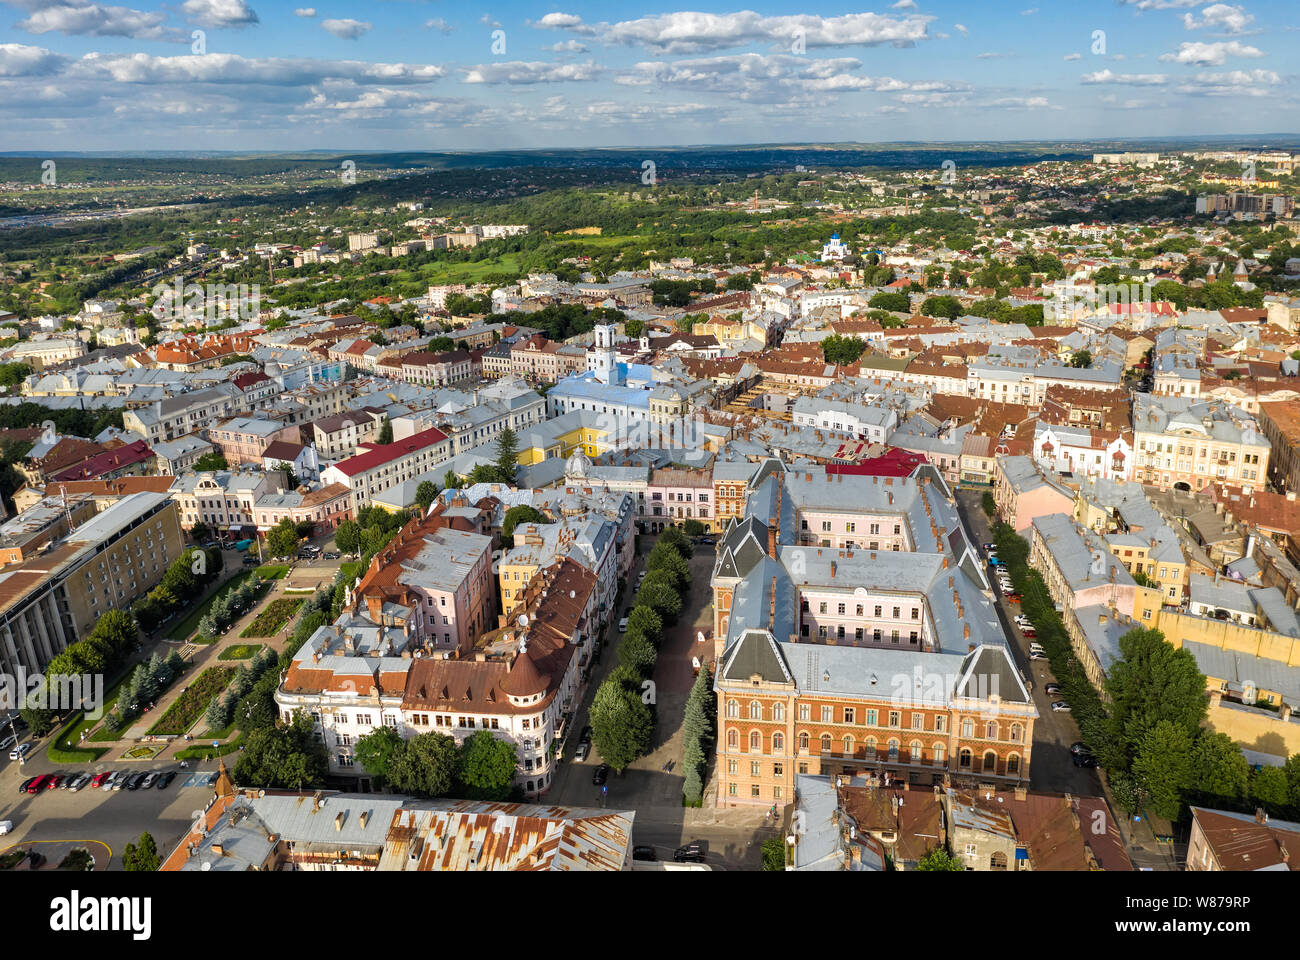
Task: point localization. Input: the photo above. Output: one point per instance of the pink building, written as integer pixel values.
(1023, 493)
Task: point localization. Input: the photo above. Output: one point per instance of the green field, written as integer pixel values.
(241, 651)
(273, 571)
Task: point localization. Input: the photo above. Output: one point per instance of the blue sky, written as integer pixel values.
(438, 75)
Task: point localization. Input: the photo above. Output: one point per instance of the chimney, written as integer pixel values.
(832, 569)
(965, 633)
(338, 820)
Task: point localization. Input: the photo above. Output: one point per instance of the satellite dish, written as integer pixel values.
(523, 619)
(206, 866)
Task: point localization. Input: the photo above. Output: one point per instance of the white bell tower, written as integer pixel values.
(604, 350)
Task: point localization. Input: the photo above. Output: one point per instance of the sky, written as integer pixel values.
(439, 75)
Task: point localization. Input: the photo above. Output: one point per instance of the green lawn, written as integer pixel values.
(242, 651)
(350, 571)
(273, 571)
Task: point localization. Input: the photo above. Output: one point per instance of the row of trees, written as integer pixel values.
(622, 711)
(143, 687)
(182, 584)
(433, 765)
(229, 607)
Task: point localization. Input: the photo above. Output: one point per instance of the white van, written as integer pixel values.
(20, 751)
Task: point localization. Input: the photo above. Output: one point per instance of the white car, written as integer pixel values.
(20, 751)
(6, 826)
(1060, 706)
(622, 625)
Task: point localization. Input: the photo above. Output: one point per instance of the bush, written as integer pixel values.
(189, 706)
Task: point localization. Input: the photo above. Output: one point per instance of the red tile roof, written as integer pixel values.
(388, 452)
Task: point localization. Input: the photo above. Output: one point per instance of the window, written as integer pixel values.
(990, 762)
(804, 711)
(964, 758)
(991, 730)
(828, 714)
(778, 711)
(755, 742)
(754, 791)
(1013, 763)
(778, 743)
(803, 743)
(731, 767)
(893, 750)
(918, 721)
(849, 714)
(915, 747)
(733, 739)
(967, 727)
(778, 770)
(894, 718)
(733, 709)
(939, 752)
(826, 743)
(755, 710)
(754, 769)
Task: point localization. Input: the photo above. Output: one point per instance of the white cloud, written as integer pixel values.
(690, 32)
(1220, 18)
(1069, 57)
(568, 46)
(219, 14)
(439, 24)
(1029, 13)
(960, 28)
(347, 29)
(1127, 79)
(521, 72)
(305, 12)
(99, 20)
(21, 60)
(229, 68)
(1211, 54)
(903, 5)
(994, 56)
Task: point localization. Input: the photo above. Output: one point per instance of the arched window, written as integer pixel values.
(778, 711)
(940, 752)
(990, 762)
(826, 743)
(893, 749)
(848, 746)
(755, 742)
(803, 743)
(991, 730)
(967, 727)
(1013, 763)
(871, 748)
(1015, 732)
(778, 742)
(916, 751)
(733, 739)
(964, 758)
(733, 709)
(755, 710)
(998, 861)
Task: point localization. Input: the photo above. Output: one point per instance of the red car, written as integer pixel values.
(99, 778)
(1013, 598)
(54, 781)
(39, 784)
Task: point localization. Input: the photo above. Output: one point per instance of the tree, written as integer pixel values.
(142, 857)
(347, 536)
(694, 528)
(385, 431)
(1163, 767)
(507, 454)
(621, 724)
(282, 539)
(842, 350)
(774, 853)
(1219, 769)
(290, 478)
(644, 622)
(679, 540)
(376, 750)
(487, 767)
(697, 735)
(1268, 788)
(1081, 358)
(894, 302)
(211, 461)
(937, 859)
(633, 328)
(516, 515)
(199, 532)
(425, 494)
(638, 653)
(666, 560)
(426, 767)
(660, 596)
(1151, 682)
(287, 756)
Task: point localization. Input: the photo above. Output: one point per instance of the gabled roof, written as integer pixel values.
(755, 653)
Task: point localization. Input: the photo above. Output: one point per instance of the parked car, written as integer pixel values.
(120, 778)
(20, 751)
(251, 561)
(586, 734)
(79, 782)
(55, 781)
(1052, 688)
(600, 775)
(1079, 747)
(6, 826)
(622, 625)
(1084, 760)
(690, 853)
(706, 541)
(1013, 598)
(23, 787)
(584, 748)
(990, 547)
(1029, 632)
(330, 556)
(148, 781)
(644, 853)
(996, 561)
(37, 785)
(165, 780)
(1060, 706)
(98, 779)
(1037, 656)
